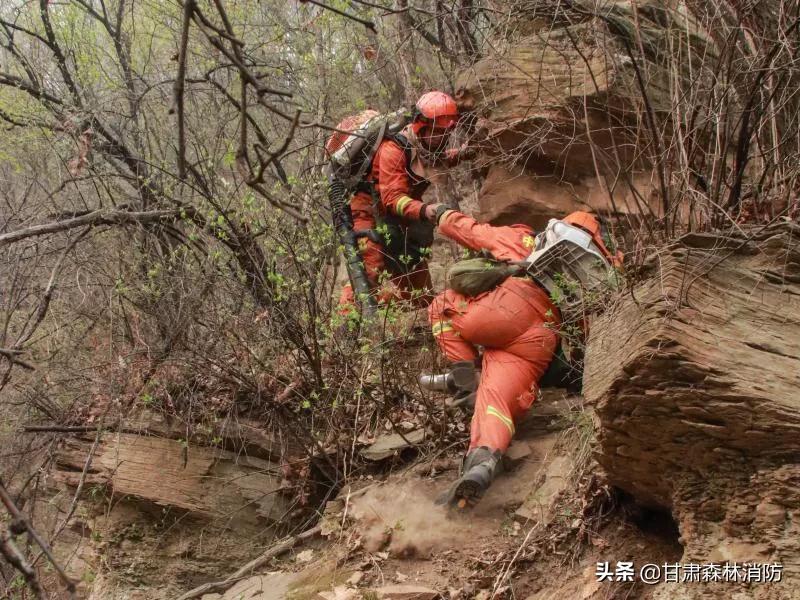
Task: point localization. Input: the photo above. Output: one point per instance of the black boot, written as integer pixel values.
(465, 378)
(480, 467)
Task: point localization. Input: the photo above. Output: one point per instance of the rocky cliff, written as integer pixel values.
(564, 103)
(158, 513)
(694, 375)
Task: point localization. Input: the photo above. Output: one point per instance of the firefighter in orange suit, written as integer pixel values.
(516, 323)
(393, 187)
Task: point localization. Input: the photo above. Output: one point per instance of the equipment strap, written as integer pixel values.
(367, 164)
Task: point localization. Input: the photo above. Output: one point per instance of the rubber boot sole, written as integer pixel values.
(464, 493)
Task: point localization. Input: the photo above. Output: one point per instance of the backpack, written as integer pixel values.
(352, 148)
(573, 264)
(474, 276)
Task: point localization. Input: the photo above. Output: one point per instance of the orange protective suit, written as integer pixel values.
(398, 190)
(516, 323)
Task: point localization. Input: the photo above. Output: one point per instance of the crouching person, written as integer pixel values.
(515, 322)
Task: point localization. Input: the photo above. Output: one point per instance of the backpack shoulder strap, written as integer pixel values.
(398, 139)
(403, 142)
(367, 164)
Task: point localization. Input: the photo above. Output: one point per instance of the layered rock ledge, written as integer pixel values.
(695, 377)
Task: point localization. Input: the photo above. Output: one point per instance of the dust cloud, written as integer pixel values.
(401, 517)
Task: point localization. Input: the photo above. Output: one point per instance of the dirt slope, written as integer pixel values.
(538, 533)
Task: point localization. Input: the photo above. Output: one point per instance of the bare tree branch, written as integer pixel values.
(412, 23)
(12, 356)
(61, 60)
(368, 24)
(94, 218)
(16, 559)
(27, 86)
(178, 86)
(15, 513)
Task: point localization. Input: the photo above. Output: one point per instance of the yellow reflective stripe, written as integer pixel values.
(446, 214)
(506, 421)
(400, 207)
(440, 327)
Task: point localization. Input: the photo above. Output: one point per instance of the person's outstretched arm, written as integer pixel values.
(513, 242)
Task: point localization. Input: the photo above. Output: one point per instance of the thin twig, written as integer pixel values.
(5, 497)
(16, 559)
(235, 57)
(44, 303)
(259, 177)
(249, 568)
(368, 24)
(78, 491)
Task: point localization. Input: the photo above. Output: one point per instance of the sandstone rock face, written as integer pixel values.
(157, 516)
(561, 103)
(516, 195)
(209, 482)
(695, 379)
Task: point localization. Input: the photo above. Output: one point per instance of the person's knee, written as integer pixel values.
(436, 308)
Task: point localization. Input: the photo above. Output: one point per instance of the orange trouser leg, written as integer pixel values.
(508, 386)
(509, 322)
(371, 252)
(504, 394)
(450, 342)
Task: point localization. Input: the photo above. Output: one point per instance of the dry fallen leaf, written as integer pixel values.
(305, 556)
(369, 52)
(356, 578)
(77, 165)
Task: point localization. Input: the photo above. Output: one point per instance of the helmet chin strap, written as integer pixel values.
(439, 148)
(434, 151)
(426, 153)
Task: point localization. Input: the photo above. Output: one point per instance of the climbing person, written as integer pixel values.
(386, 216)
(516, 322)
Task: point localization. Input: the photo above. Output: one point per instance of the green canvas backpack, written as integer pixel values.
(475, 276)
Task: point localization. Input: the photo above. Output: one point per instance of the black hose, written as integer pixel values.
(338, 196)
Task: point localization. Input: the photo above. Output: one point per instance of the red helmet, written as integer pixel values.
(437, 109)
